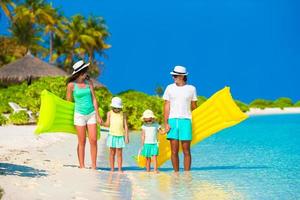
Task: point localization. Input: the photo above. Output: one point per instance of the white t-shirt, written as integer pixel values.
(150, 131)
(180, 98)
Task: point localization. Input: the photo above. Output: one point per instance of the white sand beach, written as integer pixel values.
(45, 167)
(273, 111)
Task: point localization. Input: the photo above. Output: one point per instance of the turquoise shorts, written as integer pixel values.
(115, 141)
(180, 129)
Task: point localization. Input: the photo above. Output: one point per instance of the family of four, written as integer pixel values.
(179, 100)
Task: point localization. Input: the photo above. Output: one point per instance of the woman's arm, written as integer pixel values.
(70, 87)
(126, 129)
(99, 119)
(166, 115)
(107, 123)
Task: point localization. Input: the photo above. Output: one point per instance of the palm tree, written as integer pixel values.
(35, 16)
(86, 38)
(9, 50)
(25, 34)
(74, 38)
(6, 6)
(96, 28)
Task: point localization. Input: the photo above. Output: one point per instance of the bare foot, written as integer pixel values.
(156, 171)
(112, 170)
(120, 171)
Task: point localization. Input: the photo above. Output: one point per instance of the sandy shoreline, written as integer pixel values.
(47, 168)
(273, 111)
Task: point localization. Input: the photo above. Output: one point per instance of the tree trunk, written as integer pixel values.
(51, 48)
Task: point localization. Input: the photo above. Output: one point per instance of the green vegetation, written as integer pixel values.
(244, 107)
(135, 102)
(261, 103)
(38, 27)
(3, 120)
(283, 102)
(159, 90)
(201, 100)
(103, 96)
(28, 96)
(10, 50)
(297, 104)
(19, 118)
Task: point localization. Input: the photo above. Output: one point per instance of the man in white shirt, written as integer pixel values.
(180, 99)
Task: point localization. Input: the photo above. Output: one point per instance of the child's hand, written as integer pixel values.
(167, 127)
(126, 140)
(162, 131)
(99, 120)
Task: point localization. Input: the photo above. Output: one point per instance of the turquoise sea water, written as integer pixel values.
(258, 159)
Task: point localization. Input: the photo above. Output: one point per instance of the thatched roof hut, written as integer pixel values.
(29, 68)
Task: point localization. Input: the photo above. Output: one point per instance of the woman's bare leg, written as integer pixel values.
(81, 134)
(92, 132)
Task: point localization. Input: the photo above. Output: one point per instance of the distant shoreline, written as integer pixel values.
(273, 111)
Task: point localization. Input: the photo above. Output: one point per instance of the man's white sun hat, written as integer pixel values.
(116, 102)
(79, 65)
(179, 70)
(147, 114)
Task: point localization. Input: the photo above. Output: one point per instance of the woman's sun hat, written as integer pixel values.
(116, 102)
(79, 65)
(179, 70)
(147, 114)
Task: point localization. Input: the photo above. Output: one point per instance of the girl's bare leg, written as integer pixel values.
(81, 131)
(154, 160)
(120, 159)
(112, 159)
(92, 130)
(148, 163)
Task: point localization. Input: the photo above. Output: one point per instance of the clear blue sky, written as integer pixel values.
(253, 46)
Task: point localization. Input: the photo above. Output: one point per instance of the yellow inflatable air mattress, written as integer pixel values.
(215, 114)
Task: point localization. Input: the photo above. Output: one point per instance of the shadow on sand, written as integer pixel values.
(7, 169)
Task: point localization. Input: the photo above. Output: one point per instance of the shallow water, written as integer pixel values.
(258, 159)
